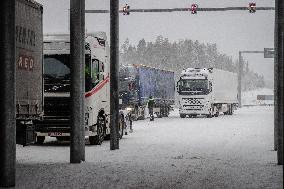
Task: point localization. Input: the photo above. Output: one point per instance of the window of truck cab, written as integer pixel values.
(94, 73)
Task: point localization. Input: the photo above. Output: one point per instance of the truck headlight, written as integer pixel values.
(129, 109)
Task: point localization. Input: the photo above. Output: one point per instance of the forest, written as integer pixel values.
(186, 53)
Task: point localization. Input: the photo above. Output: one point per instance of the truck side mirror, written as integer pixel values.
(178, 87)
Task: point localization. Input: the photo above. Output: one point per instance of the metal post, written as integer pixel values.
(279, 5)
(240, 72)
(77, 64)
(7, 94)
(114, 64)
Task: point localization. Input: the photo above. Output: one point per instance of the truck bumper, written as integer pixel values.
(194, 112)
(61, 134)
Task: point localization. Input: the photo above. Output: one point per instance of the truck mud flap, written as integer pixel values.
(25, 134)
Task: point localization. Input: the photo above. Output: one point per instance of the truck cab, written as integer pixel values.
(206, 91)
(56, 119)
(195, 93)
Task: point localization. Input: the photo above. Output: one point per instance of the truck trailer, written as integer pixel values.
(56, 119)
(207, 91)
(29, 82)
(139, 82)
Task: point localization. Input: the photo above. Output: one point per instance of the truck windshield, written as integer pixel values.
(194, 85)
(56, 66)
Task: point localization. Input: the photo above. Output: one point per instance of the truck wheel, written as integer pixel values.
(143, 115)
(99, 138)
(96, 140)
(217, 114)
(209, 115)
(40, 139)
(182, 115)
(231, 110)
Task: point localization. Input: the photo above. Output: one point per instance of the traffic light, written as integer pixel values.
(252, 7)
(194, 8)
(126, 9)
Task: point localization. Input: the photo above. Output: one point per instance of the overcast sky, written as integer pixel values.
(231, 30)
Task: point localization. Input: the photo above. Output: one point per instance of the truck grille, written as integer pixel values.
(193, 101)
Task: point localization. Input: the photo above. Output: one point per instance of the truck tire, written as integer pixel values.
(210, 115)
(96, 140)
(143, 115)
(40, 139)
(99, 138)
(216, 114)
(182, 115)
(159, 115)
(231, 110)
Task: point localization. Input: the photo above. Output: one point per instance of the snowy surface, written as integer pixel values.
(224, 152)
(249, 98)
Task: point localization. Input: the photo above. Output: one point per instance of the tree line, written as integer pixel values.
(177, 56)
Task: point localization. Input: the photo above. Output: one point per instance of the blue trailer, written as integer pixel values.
(138, 83)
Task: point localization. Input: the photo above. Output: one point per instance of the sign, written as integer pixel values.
(268, 52)
(26, 62)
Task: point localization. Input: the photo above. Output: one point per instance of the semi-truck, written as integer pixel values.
(139, 82)
(56, 119)
(206, 91)
(29, 82)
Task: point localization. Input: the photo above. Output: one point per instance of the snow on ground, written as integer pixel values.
(224, 152)
(250, 97)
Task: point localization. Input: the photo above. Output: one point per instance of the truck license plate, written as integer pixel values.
(55, 134)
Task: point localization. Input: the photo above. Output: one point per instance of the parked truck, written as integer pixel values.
(56, 119)
(206, 91)
(29, 82)
(139, 82)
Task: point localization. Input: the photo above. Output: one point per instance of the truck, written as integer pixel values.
(29, 56)
(138, 82)
(207, 91)
(56, 118)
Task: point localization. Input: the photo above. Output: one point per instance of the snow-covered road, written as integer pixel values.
(224, 152)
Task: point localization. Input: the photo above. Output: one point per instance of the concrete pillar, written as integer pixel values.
(7, 94)
(77, 64)
(275, 81)
(279, 8)
(114, 71)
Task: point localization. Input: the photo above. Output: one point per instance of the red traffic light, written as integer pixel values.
(252, 7)
(125, 10)
(194, 8)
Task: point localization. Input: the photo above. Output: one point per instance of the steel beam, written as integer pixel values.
(184, 9)
(77, 64)
(7, 94)
(114, 70)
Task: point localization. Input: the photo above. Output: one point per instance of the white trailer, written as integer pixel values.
(207, 91)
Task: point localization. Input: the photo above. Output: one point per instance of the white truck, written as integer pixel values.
(56, 119)
(207, 91)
